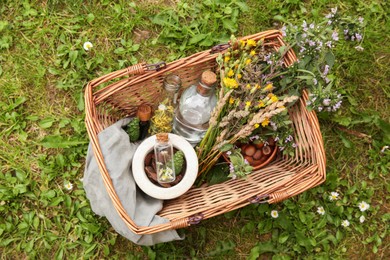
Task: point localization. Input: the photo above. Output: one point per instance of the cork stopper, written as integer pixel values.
(208, 78)
(144, 112)
(162, 137)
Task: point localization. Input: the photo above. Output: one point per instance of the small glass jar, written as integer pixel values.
(163, 153)
(172, 84)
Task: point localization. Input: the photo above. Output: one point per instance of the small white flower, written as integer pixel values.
(162, 107)
(82, 179)
(68, 185)
(320, 210)
(345, 223)
(87, 46)
(384, 148)
(334, 196)
(274, 214)
(363, 206)
(362, 219)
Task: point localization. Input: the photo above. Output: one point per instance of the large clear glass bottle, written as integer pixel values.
(163, 153)
(195, 107)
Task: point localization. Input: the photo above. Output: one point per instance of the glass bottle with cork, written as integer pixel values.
(162, 120)
(195, 107)
(144, 112)
(163, 154)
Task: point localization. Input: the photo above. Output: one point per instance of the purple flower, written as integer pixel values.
(252, 138)
(335, 36)
(311, 26)
(320, 109)
(315, 81)
(327, 80)
(302, 49)
(326, 102)
(358, 37)
(281, 148)
(346, 31)
(312, 43)
(288, 139)
(329, 44)
(284, 28)
(304, 35)
(326, 70)
(246, 161)
(294, 145)
(229, 152)
(231, 167)
(276, 139)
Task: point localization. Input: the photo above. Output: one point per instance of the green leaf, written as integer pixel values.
(283, 238)
(230, 25)
(226, 147)
(90, 17)
(73, 55)
(329, 58)
(46, 123)
(197, 38)
(243, 6)
(56, 141)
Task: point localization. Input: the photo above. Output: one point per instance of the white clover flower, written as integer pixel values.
(363, 206)
(320, 210)
(87, 46)
(345, 223)
(334, 196)
(68, 185)
(362, 219)
(274, 214)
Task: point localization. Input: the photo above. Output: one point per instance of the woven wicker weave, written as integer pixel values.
(118, 94)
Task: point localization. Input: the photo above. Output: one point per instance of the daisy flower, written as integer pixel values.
(87, 46)
(274, 214)
(345, 223)
(68, 185)
(334, 196)
(320, 210)
(362, 219)
(363, 206)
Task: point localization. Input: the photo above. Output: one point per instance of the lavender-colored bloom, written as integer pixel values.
(315, 81)
(281, 148)
(358, 37)
(294, 145)
(229, 152)
(328, 109)
(346, 31)
(234, 176)
(334, 10)
(335, 36)
(311, 26)
(246, 161)
(320, 109)
(329, 44)
(329, 22)
(231, 167)
(284, 28)
(352, 38)
(312, 43)
(304, 35)
(288, 139)
(326, 102)
(252, 138)
(359, 48)
(327, 80)
(302, 49)
(276, 139)
(319, 43)
(360, 19)
(326, 70)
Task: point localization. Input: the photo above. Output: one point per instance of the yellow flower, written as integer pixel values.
(256, 126)
(251, 43)
(248, 61)
(261, 104)
(231, 100)
(230, 73)
(230, 83)
(257, 86)
(268, 87)
(274, 99)
(239, 76)
(247, 104)
(242, 43)
(265, 122)
(227, 58)
(248, 86)
(252, 53)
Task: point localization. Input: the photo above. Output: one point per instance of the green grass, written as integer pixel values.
(43, 71)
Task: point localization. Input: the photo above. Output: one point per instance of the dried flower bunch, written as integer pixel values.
(247, 102)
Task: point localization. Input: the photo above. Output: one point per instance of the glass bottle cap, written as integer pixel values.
(208, 78)
(162, 137)
(172, 82)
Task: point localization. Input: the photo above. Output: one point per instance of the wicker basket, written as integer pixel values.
(118, 94)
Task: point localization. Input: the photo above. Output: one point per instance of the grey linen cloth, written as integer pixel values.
(141, 208)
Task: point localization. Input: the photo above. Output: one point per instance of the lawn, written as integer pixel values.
(44, 69)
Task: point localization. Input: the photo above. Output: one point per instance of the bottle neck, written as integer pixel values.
(204, 90)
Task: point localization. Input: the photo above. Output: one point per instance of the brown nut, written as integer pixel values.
(258, 154)
(250, 150)
(249, 159)
(259, 145)
(266, 150)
